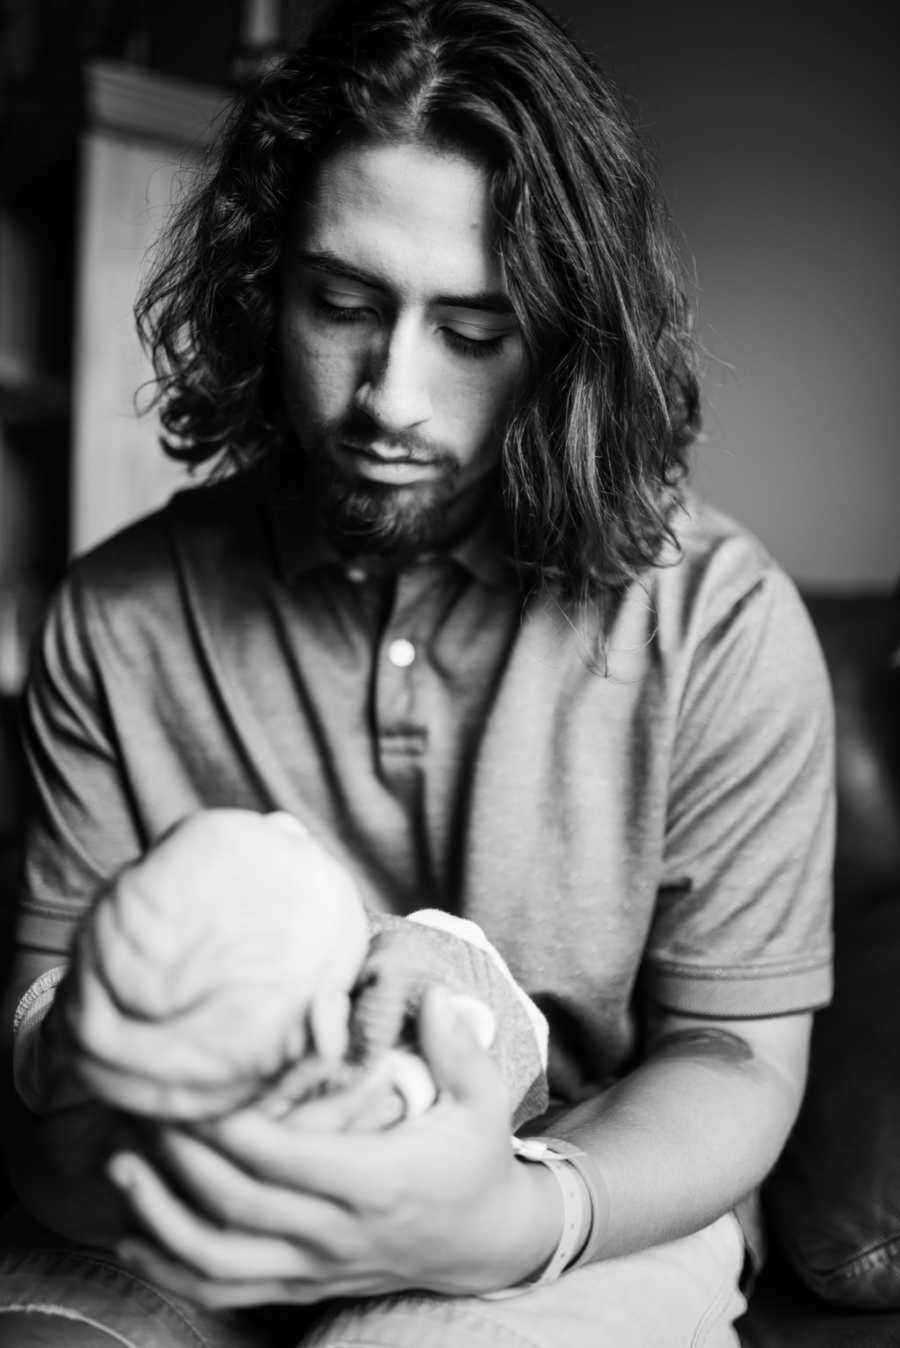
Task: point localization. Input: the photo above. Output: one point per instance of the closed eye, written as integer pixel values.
(337, 308)
(475, 348)
(343, 313)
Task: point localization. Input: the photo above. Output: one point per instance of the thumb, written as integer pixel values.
(460, 1066)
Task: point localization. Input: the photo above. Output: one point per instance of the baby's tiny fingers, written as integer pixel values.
(329, 1021)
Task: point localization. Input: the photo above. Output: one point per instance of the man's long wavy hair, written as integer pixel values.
(596, 449)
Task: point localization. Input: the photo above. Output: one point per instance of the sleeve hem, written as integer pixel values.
(43, 930)
(742, 993)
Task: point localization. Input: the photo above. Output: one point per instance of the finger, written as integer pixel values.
(478, 1016)
(288, 823)
(230, 1196)
(329, 1019)
(300, 1083)
(195, 1241)
(164, 1272)
(344, 1166)
(460, 1067)
(410, 1082)
(342, 1108)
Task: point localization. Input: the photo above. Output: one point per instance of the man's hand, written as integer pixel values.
(282, 1213)
(209, 966)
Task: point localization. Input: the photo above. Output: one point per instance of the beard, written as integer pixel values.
(387, 521)
(360, 516)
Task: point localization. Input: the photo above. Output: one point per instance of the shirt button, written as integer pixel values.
(401, 653)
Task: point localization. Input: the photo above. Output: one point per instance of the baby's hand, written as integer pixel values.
(194, 976)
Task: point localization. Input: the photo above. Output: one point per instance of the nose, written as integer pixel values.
(394, 391)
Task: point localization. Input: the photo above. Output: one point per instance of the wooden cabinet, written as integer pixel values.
(144, 135)
(91, 162)
(89, 172)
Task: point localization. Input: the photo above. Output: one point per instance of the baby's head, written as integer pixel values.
(195, 972)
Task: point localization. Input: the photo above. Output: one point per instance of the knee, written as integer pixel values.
(42, 1329)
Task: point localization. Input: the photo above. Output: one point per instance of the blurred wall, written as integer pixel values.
(777, 133)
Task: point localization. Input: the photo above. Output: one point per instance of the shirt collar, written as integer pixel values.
(481, 552)
(300, 546)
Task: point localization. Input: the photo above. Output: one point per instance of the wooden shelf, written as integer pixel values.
(92, 161)
(46, 119)
(143, 104)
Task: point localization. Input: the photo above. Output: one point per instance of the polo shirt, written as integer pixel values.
(633, 798)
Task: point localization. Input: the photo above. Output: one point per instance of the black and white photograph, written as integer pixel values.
(449, 674)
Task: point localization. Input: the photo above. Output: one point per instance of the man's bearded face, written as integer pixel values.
(401, 356)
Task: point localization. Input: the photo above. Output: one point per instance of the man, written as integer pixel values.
(453, 606)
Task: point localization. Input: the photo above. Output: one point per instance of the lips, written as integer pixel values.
(389, 456)
(387, 469)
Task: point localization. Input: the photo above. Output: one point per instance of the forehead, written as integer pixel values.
(417, 218)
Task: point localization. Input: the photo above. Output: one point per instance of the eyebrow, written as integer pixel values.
(485, 301)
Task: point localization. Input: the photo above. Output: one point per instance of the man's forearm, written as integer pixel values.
(690, 1131)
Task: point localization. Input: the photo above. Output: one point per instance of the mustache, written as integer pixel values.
(362, 432)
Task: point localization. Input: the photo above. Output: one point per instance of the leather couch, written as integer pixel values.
(833, 1276)
(833, 1202)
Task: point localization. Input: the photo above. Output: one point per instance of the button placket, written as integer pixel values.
(401, 652)
(402, 734)
(399, 714)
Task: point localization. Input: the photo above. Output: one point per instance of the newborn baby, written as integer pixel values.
(235, 963)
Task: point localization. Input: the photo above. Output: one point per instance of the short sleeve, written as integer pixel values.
(82, 827)
(742, 923)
